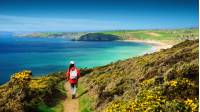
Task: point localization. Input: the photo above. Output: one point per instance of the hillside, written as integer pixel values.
(163, 81)
(65, 35)
(98, 37)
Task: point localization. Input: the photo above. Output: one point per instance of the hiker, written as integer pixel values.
(73, 74)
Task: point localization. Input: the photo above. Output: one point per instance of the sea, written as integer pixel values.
(47, 55)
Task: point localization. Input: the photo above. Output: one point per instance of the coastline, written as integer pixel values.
(157, 46)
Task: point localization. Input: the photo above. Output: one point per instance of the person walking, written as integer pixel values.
(73, 74)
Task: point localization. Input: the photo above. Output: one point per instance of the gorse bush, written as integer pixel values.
(24, 93)
(21, 78)
(155, 98)
(181, 89)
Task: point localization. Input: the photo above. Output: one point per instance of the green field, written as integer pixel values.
(168, 35)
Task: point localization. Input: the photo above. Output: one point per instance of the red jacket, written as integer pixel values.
(72, 81)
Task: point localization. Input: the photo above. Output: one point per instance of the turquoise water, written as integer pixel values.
(44, 56)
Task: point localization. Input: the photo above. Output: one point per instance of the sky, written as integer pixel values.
(95, 15)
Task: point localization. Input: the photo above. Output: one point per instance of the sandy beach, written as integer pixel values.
(157, 46)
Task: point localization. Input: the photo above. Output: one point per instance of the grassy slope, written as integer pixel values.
(166, 80)
(85, 101)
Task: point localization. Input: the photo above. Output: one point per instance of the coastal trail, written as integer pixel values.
(70, 105)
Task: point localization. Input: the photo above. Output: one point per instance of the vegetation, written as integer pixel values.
(84, 100)
(98, 37)
(163, 81)
(24, 93)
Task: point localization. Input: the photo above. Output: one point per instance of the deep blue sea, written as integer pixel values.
(45, 55)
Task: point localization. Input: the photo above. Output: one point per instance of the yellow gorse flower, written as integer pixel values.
(21, 78)
(173, 83)
(192, 104)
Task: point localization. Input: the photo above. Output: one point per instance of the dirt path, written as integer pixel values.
(70, 105)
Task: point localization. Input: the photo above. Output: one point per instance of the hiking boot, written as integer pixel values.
(73, 96)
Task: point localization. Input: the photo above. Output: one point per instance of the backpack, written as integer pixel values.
(73, 74)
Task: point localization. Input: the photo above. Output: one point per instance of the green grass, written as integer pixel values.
(44, 108)
(59, 106)
(85, 102)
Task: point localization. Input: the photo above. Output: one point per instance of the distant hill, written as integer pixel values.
(163, 81)
(65, 35)
(171, 36)
(98, 37)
